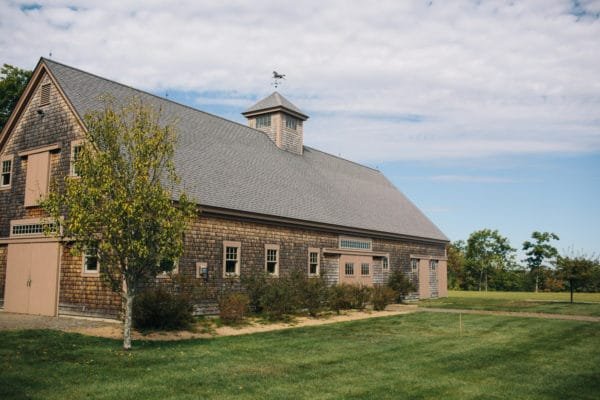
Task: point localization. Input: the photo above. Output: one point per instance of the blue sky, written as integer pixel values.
(486, 114)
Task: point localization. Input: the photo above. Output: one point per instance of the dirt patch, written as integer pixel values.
(206, 329)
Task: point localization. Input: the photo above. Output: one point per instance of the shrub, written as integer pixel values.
(279, 298)
(401, 284)
(254, 284)
(381, 296)
(161, 309)
(233, 307)
(315, 295)
(340, 297)
(361, 295)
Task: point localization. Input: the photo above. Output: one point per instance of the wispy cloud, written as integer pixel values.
(471, 179)
(396, 80)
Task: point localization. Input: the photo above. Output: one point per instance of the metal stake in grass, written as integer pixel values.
(460, 324)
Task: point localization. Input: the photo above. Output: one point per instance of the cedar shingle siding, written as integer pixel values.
(312, 197)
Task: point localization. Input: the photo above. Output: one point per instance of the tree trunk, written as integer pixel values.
(536, 283)
(571, 287)
(127, 321)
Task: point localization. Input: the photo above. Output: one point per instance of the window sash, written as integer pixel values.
(90, 260)
(291, 122)
(349, 269)
(414, 262)
(263, 121)
(76, 150)
(6, 172)
(385, 263)
(364, 269)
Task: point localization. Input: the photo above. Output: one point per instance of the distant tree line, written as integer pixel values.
(487, 261)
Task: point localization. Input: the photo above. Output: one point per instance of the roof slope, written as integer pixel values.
(275, 100)
(228, 165)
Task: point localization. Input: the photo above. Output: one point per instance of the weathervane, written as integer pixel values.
(277, 77)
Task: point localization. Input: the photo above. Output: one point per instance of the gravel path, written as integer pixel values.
(10, 321)
(512, 314)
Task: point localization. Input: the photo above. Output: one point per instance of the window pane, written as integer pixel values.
(313, 269)
(230, 266)
(271, 267)
(385, 263)
(364, 269)
(349, 269)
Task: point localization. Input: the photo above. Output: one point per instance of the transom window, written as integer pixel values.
(349, 270)
(313, 262)
(231, 259)
(291, 122)
(90, 260)
(32, 229)
(385, 263)
(351, 243)
(6, 172)
(414, 264)
(364, 269)
(272, 259)
(263, 121)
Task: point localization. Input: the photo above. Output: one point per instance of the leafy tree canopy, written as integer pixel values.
(12, 83)
(487, 251)
(122, 202)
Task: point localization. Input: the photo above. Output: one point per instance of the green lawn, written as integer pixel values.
(555, 303)
(416, 356)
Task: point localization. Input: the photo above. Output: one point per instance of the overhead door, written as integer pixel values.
(32, 278)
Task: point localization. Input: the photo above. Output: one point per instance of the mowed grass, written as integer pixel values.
(555, 303)
(416, 356)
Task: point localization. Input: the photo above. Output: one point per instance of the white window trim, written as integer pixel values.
(353, 269)
(84, 270)
(74, 144)
(276, 248)
(11, 174)
(227, 244)
(318, 251)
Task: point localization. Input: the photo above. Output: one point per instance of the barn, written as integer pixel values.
(268, 202)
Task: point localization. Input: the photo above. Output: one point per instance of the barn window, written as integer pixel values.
(349, 269)
(231, 258)
(6, 177)
(76, 147)
(291, 122)
(364, 269)
(272, 259)
(90, 260)
(356, 244)
(263, 121)
(414, 264)
(385, 263)
(313, 261)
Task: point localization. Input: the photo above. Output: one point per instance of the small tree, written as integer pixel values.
(538, 251)
(121, 204)
(401, 284)
(456, 263)
(488, 251)
(576, 270)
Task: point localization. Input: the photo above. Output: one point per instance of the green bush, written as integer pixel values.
(161, 309)
(279, 298)
(233, 307)
(315, 295)
(361, 295)
(401, 284)
(254, 285)
(340, 297)
(381, 296)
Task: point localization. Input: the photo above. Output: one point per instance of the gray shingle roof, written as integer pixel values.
(274, 100)
(228, 165)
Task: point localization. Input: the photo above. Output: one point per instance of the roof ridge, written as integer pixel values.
(149, 94)
(343, 159)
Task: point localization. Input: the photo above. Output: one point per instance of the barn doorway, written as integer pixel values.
(32, 278)
(356, 270)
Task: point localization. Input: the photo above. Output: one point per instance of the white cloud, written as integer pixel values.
(391, 80)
